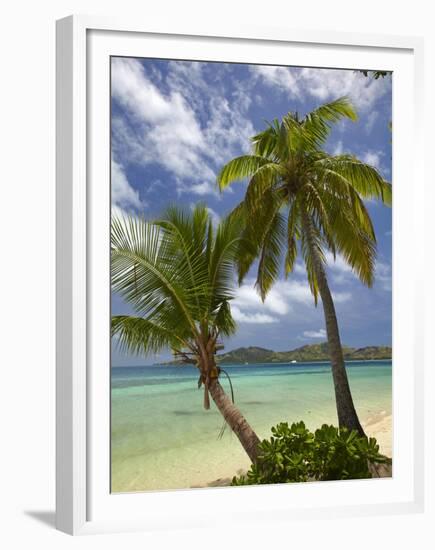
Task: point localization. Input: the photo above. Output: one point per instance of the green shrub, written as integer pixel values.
(295, 454)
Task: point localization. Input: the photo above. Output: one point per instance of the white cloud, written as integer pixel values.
(278, 77)
(325, 84)
(247, 298)
(371, 120)
(338, 148)
(338, 263)
(299, 268)
(341, 273)
(166, 124)
(321, 333)
(373, 158)
(144, 100)
(227, 129)
(204, 188)
(295, 291)
(251, 318)
(123, 194)
(341, 297)
(292, 296)
(170, 133)
(383, 275)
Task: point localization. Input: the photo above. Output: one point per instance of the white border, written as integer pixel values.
(83, 501)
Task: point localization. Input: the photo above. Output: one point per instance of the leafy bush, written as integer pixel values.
(295, 454)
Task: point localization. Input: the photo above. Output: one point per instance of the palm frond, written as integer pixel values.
(311, 248)
(143, 272)
(178, 275)
(137, 335)
(222, 261)
(265, 143)
(293, 234)
(319, 121)
(224, 320)
(365, 179)
(357, 247)
(271, 248)
(239, 168)
(261, 182)
(185, 236)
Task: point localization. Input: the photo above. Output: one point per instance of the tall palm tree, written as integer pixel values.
(178, 275)
(301, 199)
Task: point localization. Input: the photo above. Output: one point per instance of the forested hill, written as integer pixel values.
(313, 352)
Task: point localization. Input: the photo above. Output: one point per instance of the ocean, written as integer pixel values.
(162, 438)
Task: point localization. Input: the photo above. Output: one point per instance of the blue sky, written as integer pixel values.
(176, 123)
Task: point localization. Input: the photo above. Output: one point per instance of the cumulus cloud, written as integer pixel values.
(373, 158)
(321, 333)
(170, 132)
(252, 318)
(343, 273)
(281, 78)
(341, 297)
(371, 120)
(338, 148)
(299, 268)
(285, 297)
(340, 270)
(325, 84)
(247, 296)
(201, 189)
(383, 275)
(123, 194)
(184, 124)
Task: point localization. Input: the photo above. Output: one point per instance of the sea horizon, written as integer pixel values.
(289, 363)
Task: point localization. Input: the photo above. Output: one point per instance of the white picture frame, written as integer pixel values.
(83, 504)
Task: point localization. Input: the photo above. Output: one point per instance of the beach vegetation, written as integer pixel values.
(295, 454)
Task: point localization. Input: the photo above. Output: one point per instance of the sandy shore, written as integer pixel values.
(380, 427)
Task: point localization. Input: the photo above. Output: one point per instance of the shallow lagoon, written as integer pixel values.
(162, 438)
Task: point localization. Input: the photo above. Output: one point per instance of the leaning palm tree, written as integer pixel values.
(178, 275)
(301, 199)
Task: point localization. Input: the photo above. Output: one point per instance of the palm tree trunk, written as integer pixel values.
(234, 418)
(346, 412)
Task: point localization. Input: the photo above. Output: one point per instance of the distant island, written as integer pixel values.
(307, 353)
(312, 352)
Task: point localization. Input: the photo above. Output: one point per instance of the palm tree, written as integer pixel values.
(178, 275)
(300, 199)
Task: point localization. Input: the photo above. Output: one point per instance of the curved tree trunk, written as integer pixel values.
(234, 418)
(346, 412)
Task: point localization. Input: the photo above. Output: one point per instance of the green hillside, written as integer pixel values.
(312, 352)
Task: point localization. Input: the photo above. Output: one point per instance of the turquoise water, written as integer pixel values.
(162, 438)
